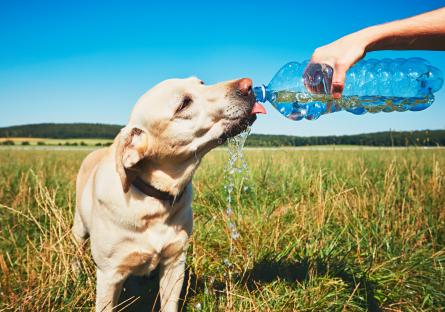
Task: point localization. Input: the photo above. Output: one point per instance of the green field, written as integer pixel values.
(321, 230)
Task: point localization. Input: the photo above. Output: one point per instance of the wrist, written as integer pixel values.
(369, 37)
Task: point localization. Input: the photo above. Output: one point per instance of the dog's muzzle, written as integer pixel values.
(245, 108)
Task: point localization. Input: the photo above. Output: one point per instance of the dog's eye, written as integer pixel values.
(201, 82)
(186, 101)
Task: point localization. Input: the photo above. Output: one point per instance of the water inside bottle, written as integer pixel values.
(300, 105)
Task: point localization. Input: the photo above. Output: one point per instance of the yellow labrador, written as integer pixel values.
(134, 197)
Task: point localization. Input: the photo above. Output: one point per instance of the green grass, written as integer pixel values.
(330, 230)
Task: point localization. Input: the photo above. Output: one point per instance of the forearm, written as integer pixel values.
(422, 32)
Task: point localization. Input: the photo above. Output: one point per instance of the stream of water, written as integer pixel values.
(235, 174)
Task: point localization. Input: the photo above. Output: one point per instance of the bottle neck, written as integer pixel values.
(260, 93)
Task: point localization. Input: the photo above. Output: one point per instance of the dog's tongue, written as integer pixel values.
(258, 109)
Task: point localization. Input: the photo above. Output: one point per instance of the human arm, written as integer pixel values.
(421, 32)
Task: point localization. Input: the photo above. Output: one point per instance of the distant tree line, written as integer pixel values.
(387, 138)
(103, 131)
(62, 131)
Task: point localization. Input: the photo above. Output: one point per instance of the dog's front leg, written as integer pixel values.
(171, 279)
(108, 289)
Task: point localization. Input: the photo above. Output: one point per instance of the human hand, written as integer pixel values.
(340, 55)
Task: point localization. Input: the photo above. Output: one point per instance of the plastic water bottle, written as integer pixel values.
(372, 86)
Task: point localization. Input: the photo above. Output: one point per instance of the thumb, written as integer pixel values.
(338, 81)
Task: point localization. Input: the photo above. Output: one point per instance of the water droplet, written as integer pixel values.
(235, 234)
(226, 262)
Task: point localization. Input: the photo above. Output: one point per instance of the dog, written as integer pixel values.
(133, 198)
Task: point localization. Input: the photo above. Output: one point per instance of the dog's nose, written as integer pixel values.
(245, 86)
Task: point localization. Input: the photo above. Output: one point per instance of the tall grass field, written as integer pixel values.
(320, 230)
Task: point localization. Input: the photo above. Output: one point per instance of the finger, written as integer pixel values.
(337, 89)
(338, 81)
(311, 77)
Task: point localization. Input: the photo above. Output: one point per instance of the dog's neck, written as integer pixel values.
(168, 177)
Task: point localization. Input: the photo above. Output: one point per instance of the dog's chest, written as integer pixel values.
(145, 250)
(141, 232)
(145, 214)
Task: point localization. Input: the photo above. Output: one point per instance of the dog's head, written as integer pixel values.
(178, 121)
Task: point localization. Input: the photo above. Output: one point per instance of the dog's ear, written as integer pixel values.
(132, 146)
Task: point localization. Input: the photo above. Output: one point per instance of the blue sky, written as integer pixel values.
(89, 61)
